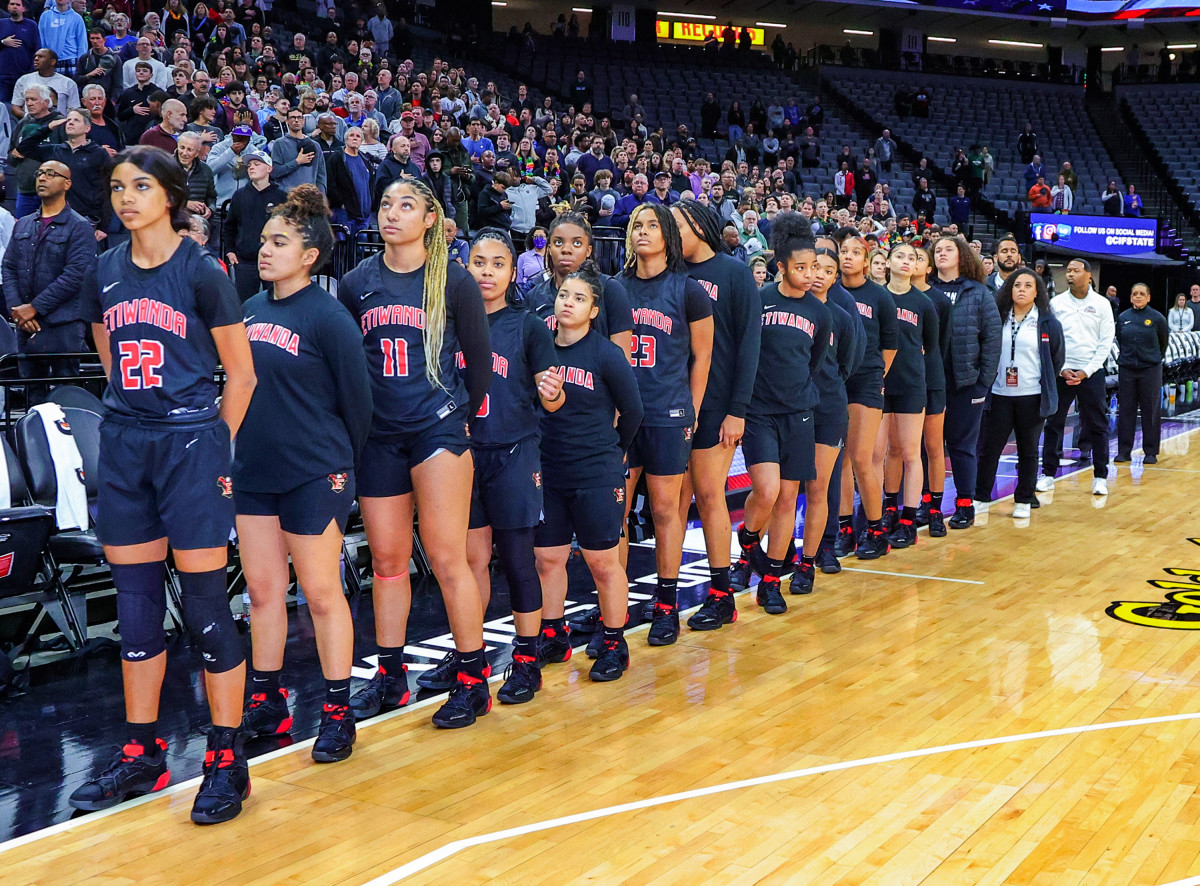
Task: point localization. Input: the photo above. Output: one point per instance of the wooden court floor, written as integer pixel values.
(995, 632)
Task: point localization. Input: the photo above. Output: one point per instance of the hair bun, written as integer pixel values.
(306, 201)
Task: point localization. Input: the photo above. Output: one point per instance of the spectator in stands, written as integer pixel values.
(87, 161)
(816, 114)
(145, 53)
(1027, 144)
(350, 184)
(380, 27)
(662, 189)
(736, 120)
(139, 106)
(594, 160)
(1068, 173)
(532, 262)
(810, 149)
(476, 142)
(1042, 267)
(45, 73)
(418, 143)
(1133, 202)
(751, 237)
(885, 152)
(19, 41)
(50, 253)
(99, 65)
(105, 131)
(227, 160)
(632, 201)
(248, 212)
(988, 164)
(604, 198)
(457, 248)
(864, 182)
(202, 187)
(710, 116)
(495, 209)
(1006, 262)
(1062, 197)
(1033, 170)
(924, 201)
(525, 195)
(843, 186)
(398, 163)
(326, 135)
(580, 93)
(1180, 318)
(38, 113)
(1111, 200)
(1040, 197)
(164, 134)
(296, 158)
(63, 31)
(729, 233)
(960, 209)
(1194, 304)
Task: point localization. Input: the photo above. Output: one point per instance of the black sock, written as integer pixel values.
(774, 568)
(221, 736)
(265, 682)
(719, 578)
(391, 659)
(614, 635)
(143, 734)
(525, 646)
(810, 562)
(668, 592)
(845, 521)
(337, 692)
(935, 501)
(555, 624)
(908, 515)
(472, 663)
(875, 525)
(746, 538)
(890, 500)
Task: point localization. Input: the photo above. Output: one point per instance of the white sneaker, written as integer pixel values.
(1045, 483)
(981, 507)
(1099, 486)
(1021, 511)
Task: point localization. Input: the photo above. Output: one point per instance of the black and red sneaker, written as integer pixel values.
(225, 785)
(803, 578)
(769, 596)
(664, 629)
(719, 609)
(596, 644)
(891, 517)
(872, 545)
(522, 680)
(335, 738)
(266, 713)
(964, 514)
(133, 772)
(845, 543)
(468, 700)
(554, 644)
(611, 663)
(739, 575)
(383, 692)
(904, 535)
(937, 524)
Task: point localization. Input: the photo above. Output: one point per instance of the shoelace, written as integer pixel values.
(223, 758)
(664, 609)
(336, 711)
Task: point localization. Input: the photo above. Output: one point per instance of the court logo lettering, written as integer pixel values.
(1180, 611)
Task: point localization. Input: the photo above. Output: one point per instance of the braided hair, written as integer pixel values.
(704, 222)
(670, 235)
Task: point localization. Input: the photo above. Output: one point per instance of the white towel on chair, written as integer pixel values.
(70, 511)
(5, 488)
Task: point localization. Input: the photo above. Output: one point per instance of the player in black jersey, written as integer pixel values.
(506, 505)
(672, 351)
(416, 310)
(583, 458)
(780, 442)
(905, 396)
(865, 393)
(293, 472)
(934, 454)
(721, 422)
(163, 316)
(569, 244)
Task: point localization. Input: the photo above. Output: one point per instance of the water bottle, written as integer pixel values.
(1171, 400)
(1112, 414)
(1162, 396)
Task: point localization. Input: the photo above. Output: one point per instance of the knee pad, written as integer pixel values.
(208, 618)
(141, 609)
(515, 549)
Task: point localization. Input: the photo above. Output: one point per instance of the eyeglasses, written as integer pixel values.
(50, 173)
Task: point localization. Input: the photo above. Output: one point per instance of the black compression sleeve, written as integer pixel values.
(748, 332)
(465, 305)
(621, 381)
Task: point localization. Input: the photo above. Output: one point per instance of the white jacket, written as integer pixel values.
(524, 198)
(1088, 329)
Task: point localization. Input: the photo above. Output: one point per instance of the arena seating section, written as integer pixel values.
(1168, 116)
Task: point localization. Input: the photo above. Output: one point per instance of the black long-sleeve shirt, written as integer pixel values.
(1142, 336)
(935, 367)
(311, 411)
(89, 165)
(917, 325)
(737, 333)
(878, 313)
(795, 337)
(249, 209)
(522, 346)
(581, 447)
(840, 356)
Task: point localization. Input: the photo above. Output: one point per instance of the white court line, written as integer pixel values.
(1190, 881)
(431, 858)
(962, 581)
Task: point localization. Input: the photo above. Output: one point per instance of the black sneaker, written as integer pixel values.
(384, 691)
(1122, 458)
(937, 524)
(719, 609)
(612, 662)
(554, 644)
(664, 629)
(827, 562)
(891, 517)
(872, 545)
(586, 622)
(595, 644)
(225, 785)
(769, 597)
(845, 543)
(645, 609)
(444, 674)
(922, 518)
(903, 536)
(335, 739)
(522, 680)
(803, 578)
(266, 713)
(132, 772)
(1150, 460)
(469, 699)
(964, 517)
(739, 575)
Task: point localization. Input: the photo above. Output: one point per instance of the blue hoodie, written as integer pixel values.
(65, 33)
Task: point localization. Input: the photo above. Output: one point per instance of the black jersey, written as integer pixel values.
(663, 308)
(737, 333)
(795, 337)
(311, 410)
(838, 365)
(615, 314)
(522, 346)
(839, 295)
(580, 445)
(159, 321)
(389, 312)
(917, 322)
(935, 367)
(877, 311)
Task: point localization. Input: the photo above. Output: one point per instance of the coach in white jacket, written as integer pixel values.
(1088, 330)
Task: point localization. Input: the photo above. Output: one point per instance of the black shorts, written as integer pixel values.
(866, 389)
(385, 468)
(156, 482)
(935, 402)
(787, 440)
(708, 430)
(830, 425)
(508, 486)
(661, 452)
(594, 515)
(305, 510)
(905, 403)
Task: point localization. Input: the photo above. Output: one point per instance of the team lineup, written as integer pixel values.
(506, 426)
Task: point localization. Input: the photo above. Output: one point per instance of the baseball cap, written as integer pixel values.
(407, 115)
(661, 174)
(242, 131)
(259, 156)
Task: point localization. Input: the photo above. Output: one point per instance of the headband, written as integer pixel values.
(826, 251)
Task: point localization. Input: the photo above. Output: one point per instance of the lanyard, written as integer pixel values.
(1016, 327)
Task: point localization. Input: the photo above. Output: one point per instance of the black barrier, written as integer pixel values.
(608, 249)
(14, 389)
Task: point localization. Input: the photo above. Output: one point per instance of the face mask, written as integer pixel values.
(539, 242)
